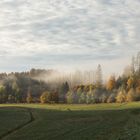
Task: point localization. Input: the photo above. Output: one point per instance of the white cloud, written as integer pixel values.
(37, 29)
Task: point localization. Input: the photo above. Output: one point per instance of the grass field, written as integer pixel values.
(70, 122)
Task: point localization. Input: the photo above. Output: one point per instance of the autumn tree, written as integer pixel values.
(103, 98)
(130, 82)
(18, 97)
(111, 98)
(131, 96)
(88, 97)
(79, 91)
(96, 95)
(16, 92)
(77, 94)
(45, 97)
(111, 83)
(70, 97)
(82, 98)
(29, 98)
(2, 94)
(137, 98)
(121, 97)
(93, 100)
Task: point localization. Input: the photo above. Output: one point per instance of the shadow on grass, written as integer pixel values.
(77, 124)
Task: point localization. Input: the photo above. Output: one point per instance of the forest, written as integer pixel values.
(88, 87)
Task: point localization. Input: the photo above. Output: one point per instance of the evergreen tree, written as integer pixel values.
(63, 91)
(54, 97)
(99, 77)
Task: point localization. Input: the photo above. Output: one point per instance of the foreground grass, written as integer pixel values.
(10, 119)
(75, 122)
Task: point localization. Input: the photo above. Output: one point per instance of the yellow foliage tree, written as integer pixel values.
(131, 95)
(121, 97)
(111, 83)
(45, 97)
(130, 82)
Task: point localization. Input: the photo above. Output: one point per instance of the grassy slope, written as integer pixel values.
(81, 122)
(11, 118)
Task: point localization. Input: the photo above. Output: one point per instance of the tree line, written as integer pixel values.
(27, 87)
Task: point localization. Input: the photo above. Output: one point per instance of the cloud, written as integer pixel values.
(52, 32)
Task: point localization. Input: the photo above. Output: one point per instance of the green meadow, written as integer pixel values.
(70, 122)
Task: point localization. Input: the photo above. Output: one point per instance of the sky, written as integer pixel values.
(68, 34)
